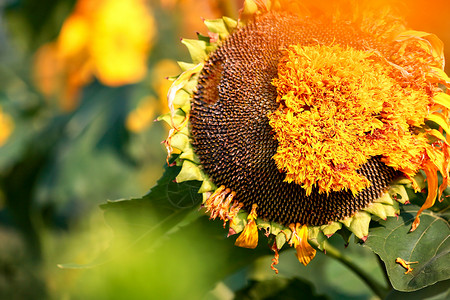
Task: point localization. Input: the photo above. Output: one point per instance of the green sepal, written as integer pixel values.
(358, 224)
(384, 199)
(401, 180)
(331, 228)
(191, 85)
(178, 118)
(347, 221)
(420, 179)
(189, 154)
(218, 26)
(197, 50)
(230, 24)
(276, 228)
(185, 130)
(207, 186)
(377, 209)
(321, 239)
(179, 141)
(392, 210)
(313, 232)
(184, 66)
(179, 162)
(398, 192)
(280, 240)
(182, 100)
(249, 10)
(239, 221)
(189, 171)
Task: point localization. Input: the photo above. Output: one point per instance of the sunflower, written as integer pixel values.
(302, 121)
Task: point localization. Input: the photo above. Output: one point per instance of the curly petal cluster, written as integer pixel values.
(338, 108)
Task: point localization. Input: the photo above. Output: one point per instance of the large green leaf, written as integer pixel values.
(429, 245)
(438, 291)
(167, 204)
(141, 223)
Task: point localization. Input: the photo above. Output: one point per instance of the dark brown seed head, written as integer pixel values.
(231, 132)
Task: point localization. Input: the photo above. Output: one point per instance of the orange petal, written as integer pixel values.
(305, 253)
(432, 180)
(249, 236)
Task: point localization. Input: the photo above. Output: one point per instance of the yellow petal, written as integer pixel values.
(439, 75)
(439, 119)
(442, 99)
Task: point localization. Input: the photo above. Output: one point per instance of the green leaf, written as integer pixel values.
(438, 291)
(429, 245)
(167, 202)
(197, 49)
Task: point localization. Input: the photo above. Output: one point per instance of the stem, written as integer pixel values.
(375, 286)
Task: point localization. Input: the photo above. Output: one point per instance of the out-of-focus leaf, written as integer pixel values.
(38, 21)
(279, 288)
(429, 245)
(187, 264)
(145, 221)
(168, 202)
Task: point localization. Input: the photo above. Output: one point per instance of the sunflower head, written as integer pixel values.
(300, 121)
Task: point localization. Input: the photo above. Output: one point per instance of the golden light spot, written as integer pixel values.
(141, 118)
(338, 108)
(120, 46)
(6, 127)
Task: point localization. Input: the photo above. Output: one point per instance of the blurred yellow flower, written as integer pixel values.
(160, 83)
(141, 117)
(6, 127)
(149, 107)
(108, 39)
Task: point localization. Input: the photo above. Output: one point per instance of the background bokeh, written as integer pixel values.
(81, 83)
